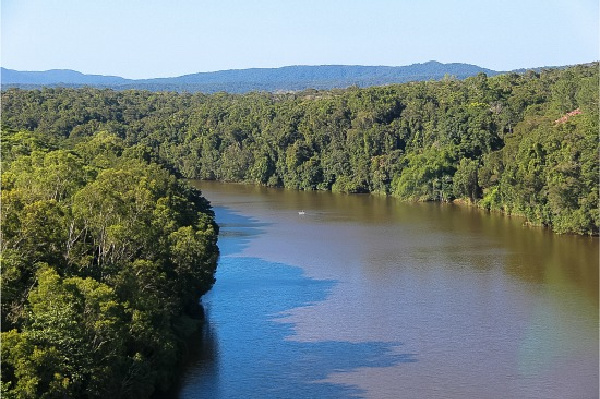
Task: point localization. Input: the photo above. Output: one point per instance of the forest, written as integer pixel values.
(520, 143)
(104, 257)
(106, 250)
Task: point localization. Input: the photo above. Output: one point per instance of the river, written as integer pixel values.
(325, 295)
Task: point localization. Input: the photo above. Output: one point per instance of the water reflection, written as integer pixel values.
(531, 254)
(245, 310)
(236, 231)
(451, 301)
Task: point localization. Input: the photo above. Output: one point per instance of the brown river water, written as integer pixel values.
(327, 295)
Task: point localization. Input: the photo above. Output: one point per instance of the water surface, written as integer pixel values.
(363, 296)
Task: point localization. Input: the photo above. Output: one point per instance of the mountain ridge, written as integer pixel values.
(287, 78)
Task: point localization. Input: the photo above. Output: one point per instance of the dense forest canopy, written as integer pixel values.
(524, 144)
(104, 257)
(105, 252)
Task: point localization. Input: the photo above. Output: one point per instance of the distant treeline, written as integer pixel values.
(104, 257)
(524, 144)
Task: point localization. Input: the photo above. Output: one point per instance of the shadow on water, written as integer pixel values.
(235, 230)
(244, 350)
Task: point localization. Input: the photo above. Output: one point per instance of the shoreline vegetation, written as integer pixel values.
(105, 256)
(525, 144)
(106, 251)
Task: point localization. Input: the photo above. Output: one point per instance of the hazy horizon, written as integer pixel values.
(138, 40)
(287, 66)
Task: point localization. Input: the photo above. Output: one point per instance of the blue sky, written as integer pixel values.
(163, 38)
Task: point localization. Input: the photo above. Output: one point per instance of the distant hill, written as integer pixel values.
(56, 76)
(289, 78)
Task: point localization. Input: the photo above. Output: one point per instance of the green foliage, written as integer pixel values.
(426, 176)
(104, 257)
(490, 140)
(549, 165)
(465, 182)
(105, 253)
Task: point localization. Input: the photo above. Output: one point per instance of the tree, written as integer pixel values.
(465, 180)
